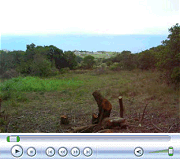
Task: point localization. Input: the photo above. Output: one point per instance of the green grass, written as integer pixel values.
(36, 104)
(38, 84)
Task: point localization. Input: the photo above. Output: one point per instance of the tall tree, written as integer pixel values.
(88, 61)
(71, 59)
(170, 57)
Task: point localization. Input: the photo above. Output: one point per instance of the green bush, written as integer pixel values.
(175, 76)
(6, 95)
(101, 69)
(115, 67)
(169, 57)
(23, 67)
(109, 63)
(64, 70)
(88, 62)
(40, 66)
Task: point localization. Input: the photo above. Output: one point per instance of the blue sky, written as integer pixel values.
(134, 43)
(36, 20)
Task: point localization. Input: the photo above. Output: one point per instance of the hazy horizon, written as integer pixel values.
(118, 43)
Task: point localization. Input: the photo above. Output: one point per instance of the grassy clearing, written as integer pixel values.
(38, 84)
(35, 104)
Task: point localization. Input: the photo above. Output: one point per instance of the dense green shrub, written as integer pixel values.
(64, 70)
(175, 75)
(101, 69)
(115, 66)
(88, 62)
(169, 56)
(40, 66)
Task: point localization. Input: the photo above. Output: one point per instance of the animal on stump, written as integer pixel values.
(104, 107)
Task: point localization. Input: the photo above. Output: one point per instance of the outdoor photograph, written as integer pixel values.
(90, 66)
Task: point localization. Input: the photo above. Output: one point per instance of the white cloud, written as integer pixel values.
(90, 17)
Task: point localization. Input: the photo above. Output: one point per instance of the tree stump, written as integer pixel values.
(64, 120)
(104, 106)
(121, 107)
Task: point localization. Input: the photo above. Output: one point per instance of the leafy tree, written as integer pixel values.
(40, 66)
(88, 62)
(126, 61)
(57, 55)
(169, 58)
(71, 59)
(9, 60)
(78, 59)
(30, 51)
(147, 60)
(3, 62)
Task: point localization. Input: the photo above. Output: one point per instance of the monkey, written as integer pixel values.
(104, 107)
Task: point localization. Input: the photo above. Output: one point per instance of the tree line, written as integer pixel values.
(165, 57)
(49, 60)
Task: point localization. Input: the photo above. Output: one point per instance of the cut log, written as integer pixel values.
(113, 122)
(107, 123)
(64, 120)
(105, 131)
(84, 129)
(104, 106)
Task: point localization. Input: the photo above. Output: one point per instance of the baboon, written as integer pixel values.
(104, 107)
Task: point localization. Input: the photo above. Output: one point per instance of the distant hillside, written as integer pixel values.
(98, 54)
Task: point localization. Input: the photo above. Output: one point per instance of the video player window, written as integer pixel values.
(89, 67)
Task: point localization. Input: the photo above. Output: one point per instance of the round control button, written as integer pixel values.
(17, 151)
(50, 151)
(63, 151)
(31, 151)
(75, 151)
(138, 151)
(87, 151)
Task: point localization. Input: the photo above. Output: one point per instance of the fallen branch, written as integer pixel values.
(156, 126)
(85, 129)
(105, 131)
(170, 128)
(107, 123)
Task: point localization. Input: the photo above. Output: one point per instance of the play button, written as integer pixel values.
(16, 151)
(138, 151)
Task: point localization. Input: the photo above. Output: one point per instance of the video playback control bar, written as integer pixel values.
(17, 151)
(89, 146)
